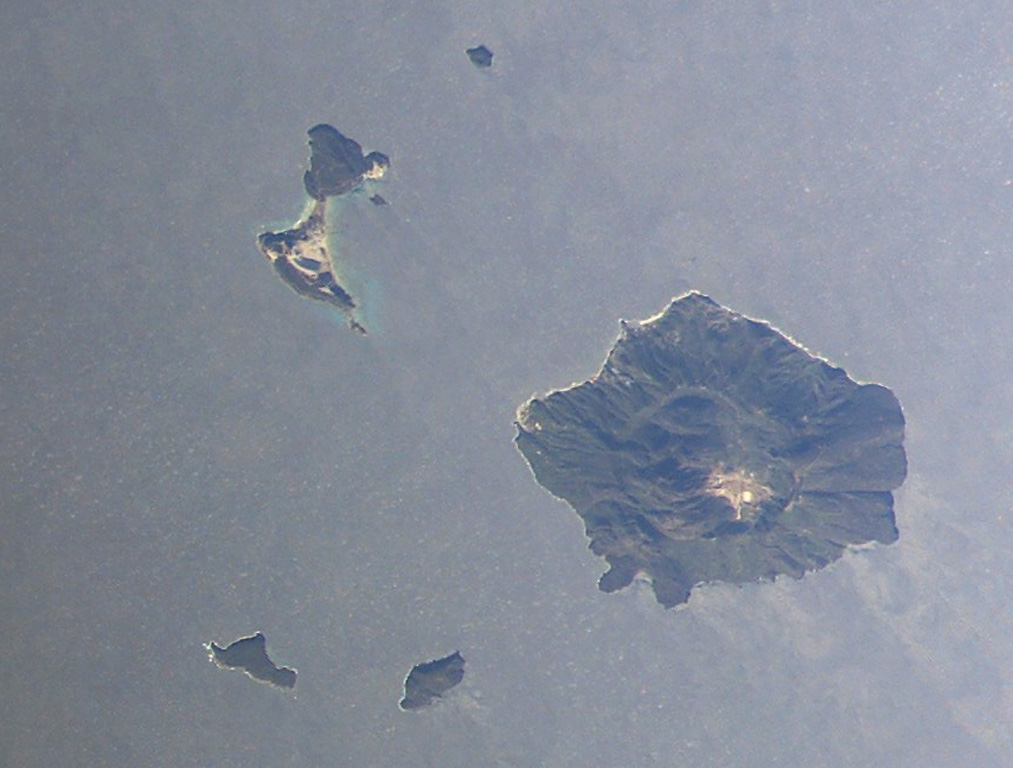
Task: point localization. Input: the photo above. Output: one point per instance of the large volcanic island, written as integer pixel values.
(710, 447)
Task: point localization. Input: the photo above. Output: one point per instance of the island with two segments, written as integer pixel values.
(301, 255)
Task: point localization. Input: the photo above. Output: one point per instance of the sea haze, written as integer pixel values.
(192, 452)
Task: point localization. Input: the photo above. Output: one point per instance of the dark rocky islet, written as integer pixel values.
(249, 654)
(427, 682)
(480, 56)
